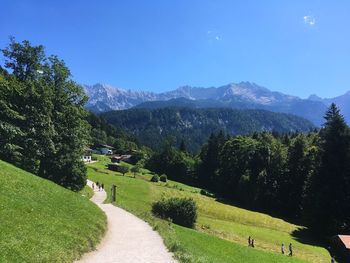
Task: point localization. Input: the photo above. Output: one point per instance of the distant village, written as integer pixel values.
(104, 149)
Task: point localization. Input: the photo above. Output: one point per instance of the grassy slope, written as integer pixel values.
(43, 222)
(221, 231)
(87, 192)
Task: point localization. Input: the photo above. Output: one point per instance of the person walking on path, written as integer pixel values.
(93, 186)
(103, 187)
(249, 241)
(290, 250)
(282, 248)
(253, 242)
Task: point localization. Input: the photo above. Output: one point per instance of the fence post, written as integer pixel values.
(114, 193)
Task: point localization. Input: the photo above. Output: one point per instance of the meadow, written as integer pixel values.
(221, 230)
(43, 222)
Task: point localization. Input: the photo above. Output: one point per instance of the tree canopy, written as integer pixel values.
(42, 123)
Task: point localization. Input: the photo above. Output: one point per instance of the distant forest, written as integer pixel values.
(194, 126)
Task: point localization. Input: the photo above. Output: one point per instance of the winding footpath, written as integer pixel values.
(128, 239)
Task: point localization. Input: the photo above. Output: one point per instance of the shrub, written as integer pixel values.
(207, 193)
(182, 211)
(155, 178)
(163, 178)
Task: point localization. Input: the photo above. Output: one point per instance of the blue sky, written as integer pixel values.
(296, 47)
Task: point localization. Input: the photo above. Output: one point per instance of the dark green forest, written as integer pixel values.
(304, 177)
(194, 126)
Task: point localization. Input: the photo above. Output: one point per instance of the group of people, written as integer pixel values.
(98, 186)
(290, 249)
(251, 244)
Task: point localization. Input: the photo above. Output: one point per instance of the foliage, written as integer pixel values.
(123, 169)
(43, 127)
(329, 195)
(163, 178)
(175, 164)
(192, 127)
(43, 222)
(104, 133)
(155, 178)
(206, 193)
(135, 169)
(182, 211)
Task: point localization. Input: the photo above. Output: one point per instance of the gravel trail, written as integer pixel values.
(128, 239)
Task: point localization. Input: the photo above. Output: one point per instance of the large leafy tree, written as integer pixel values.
(11, 119)
(43, 125)
(63, 164)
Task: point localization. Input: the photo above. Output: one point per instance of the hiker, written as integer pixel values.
(97, 184)
(252, 243)
(103, 187)
(93, 186)
(249, 241)
(99, 187)
(332, 260)
(282, 248)
(290, 250)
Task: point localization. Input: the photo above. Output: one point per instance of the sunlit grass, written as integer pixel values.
(220, 226)
(43, 222)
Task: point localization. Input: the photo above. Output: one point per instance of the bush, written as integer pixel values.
(207, 193)
(163, 178)
(155, 178)
(182, 211)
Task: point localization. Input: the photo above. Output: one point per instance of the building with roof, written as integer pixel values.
(87, 155)
(341, 246)
(105, 149)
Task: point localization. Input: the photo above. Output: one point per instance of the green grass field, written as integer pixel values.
(221, 231)
(43, 222)
(87, 192)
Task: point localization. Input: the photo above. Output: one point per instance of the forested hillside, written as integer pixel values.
(193, 126)
(305, 177)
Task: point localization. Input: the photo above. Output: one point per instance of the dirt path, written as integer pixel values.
(128, 238)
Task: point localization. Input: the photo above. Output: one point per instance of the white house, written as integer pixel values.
(87, 155)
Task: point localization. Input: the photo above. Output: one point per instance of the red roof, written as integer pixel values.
(346, 240)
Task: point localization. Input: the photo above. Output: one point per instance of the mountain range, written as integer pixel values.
(243, 95)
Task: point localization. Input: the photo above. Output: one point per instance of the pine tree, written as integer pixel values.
(183, 147)
(329, 192)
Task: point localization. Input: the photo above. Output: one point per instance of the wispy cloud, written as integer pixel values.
(309, 20)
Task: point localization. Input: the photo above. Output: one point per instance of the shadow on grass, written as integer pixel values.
(306, 236)
(99, 170)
